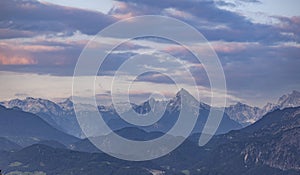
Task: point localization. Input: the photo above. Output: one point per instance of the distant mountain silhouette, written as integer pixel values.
(53, 144)
(61, 116)
(25, 128)
(133, 133)
(7, 145)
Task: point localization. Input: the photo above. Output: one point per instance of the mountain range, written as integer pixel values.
(245, 114)
(62, 115)
(171, 114)
(270, 146)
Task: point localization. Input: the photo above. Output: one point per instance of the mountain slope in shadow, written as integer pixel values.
(25, 128)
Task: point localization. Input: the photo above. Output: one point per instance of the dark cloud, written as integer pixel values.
(262, 70)
(11, 33)
(213, 22)
(48, 58)
(59, 58)
(24, 18)
(40, 69)
(235, 3)
(205, 10)
(251, 1)
(267, 67)
(291, 27)
(113, 61)
(155, 77)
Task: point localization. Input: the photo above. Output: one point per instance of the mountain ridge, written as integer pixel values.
(246, 114)
(62, 115)
(26, 128)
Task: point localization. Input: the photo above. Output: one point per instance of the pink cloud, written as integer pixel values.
(290, 26)
(174, 48)
(231, 47)
(29, 48)
(123, 16)
(121, 8)
(16, 60)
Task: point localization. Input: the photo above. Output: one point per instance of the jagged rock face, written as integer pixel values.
(277, 141)
(62, 115)
(245, 114)
(285, 101)
(35, 105)
(67, 104)
(290, 100)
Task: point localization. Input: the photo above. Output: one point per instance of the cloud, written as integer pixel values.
(16, 60)
(205, 10)
(56, 55)
(291, 27)
(232, 47)
(48, 39)
(155, 77)
(253, 1)
(213, 22)
(26, 18)
(11, 33)
(262, 70)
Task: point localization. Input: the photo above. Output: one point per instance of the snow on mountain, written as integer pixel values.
(35, 105)
(62, 116)
(67, 105)
(289, 100)
(285, 101)
(182, 96)
(268, 107)
(170, 105)
(244, 114)
(59, 115)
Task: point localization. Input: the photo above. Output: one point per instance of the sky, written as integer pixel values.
(257, 42)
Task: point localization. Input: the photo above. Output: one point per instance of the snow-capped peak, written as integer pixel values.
(34, 105)
(182, 96)
(67, 104)
(243, 113)
(289, 100)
